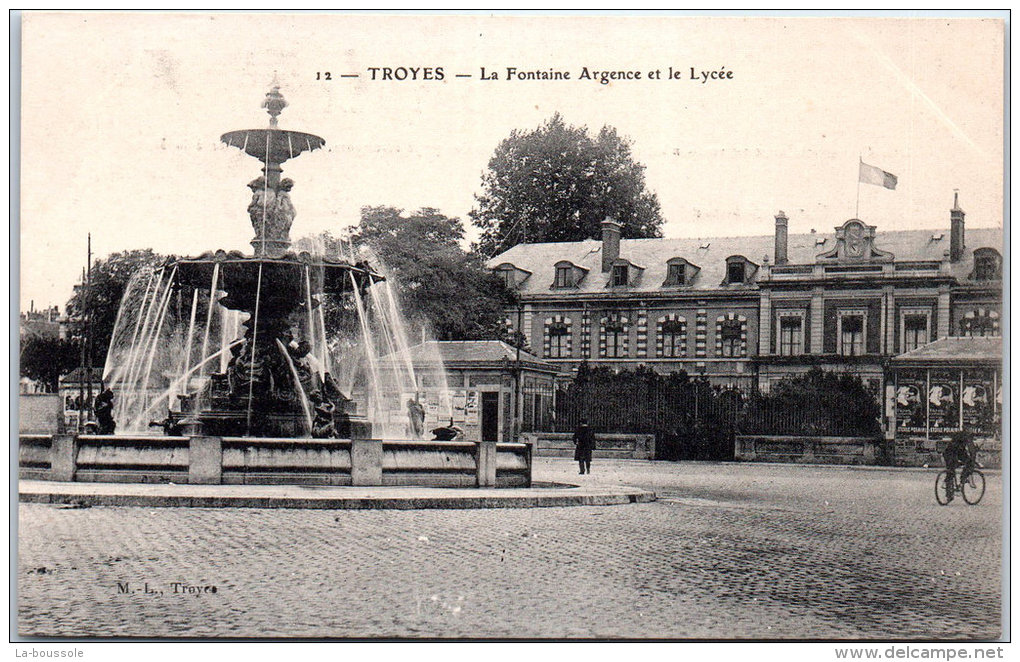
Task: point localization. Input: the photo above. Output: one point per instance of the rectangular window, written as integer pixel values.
(676, 274)
(915, 331)
(985, 268)
(980, 323)
(558, 342)
(735, 272)
(731, 338)
(509, 280)
(564, 276)
(791, 336)
(851, 335)
(620, 275)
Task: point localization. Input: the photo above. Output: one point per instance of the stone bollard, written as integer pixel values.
(63, 457)
(870, 452)
(529, 456)
(366, 461)
(205, 461)
(485, 463)
(808, 454)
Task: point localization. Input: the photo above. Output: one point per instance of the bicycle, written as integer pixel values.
(972, 489)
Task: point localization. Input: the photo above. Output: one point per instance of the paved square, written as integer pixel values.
(728, 551)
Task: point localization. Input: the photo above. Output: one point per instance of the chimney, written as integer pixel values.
(956, 244)
(610, 243)
(782, 235)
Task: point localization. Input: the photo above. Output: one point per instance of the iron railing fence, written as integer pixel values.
(696, 420)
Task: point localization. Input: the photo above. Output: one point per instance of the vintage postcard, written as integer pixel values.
(518, 327)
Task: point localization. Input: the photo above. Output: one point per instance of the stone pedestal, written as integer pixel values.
(205, 461)
(366, 462)
(63, 457)
(486, 464)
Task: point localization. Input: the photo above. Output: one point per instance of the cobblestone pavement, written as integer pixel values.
(728, 551)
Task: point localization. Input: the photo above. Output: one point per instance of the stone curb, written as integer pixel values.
(802, 465)
(179, 496)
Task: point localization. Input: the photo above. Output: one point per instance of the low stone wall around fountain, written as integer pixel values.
(267, 461)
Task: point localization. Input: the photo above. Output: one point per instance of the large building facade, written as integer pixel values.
(747, 311)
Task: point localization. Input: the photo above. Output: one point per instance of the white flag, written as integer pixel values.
(872, 175)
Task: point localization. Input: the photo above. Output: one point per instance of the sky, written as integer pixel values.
(121, 116)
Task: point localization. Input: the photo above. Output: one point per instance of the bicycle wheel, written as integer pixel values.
(974, 487)
(941, 488)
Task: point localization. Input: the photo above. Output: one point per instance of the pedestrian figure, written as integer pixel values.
(416, 416)
(584, 444)
(103, 408)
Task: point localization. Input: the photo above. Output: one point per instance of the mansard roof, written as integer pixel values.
(710, 255)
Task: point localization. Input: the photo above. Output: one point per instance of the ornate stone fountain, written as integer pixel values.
(267, 368)
(273, 382)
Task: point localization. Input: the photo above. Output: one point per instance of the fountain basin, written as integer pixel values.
(273, 461)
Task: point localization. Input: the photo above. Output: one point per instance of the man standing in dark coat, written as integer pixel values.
(103, 409)
(584, 444)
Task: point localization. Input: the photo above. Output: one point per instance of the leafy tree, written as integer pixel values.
(45, 359)
(441, 287)
(558, 183)
(99, 302)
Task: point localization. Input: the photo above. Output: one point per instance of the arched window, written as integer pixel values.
(613, 340)
(557, 337)
(671, 337)
(731, 335)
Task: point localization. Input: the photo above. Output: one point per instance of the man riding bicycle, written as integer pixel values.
(960, 451)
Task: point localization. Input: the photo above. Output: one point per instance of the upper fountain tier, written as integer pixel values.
(271, 211)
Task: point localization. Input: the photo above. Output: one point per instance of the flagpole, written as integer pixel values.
(857, 209)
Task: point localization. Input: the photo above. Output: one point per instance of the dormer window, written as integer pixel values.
(987, 264)
(739, 270)
(508, 278)
(511, 276)
(677, 273)
(564, 276)
(621, 274)
(568, 275)
(735, 272)
(624, 273)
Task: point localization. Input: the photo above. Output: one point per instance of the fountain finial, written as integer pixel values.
(270, 210)
(274, 103)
